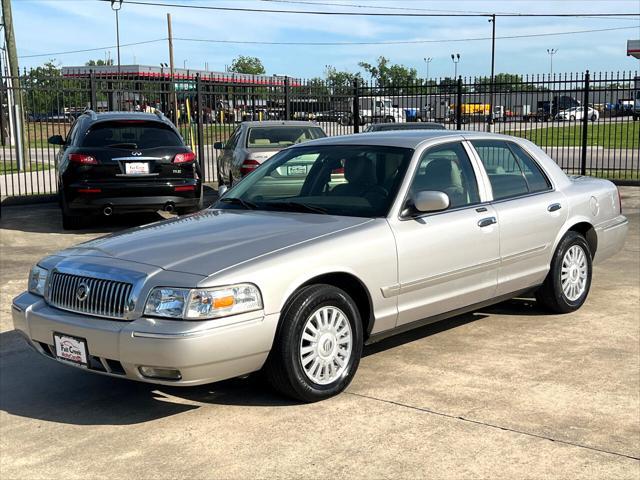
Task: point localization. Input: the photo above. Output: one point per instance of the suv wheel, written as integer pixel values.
(318, 345)
(70, 221)
(567, 284)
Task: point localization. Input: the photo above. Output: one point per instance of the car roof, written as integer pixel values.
(407, 126)
(283, 123)
(399, 138)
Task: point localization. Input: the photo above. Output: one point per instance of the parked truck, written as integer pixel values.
(380, 109)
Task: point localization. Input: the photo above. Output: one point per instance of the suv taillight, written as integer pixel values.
(186, 157)
(82, 159)
(248, 166)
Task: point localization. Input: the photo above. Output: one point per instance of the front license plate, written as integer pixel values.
(136, 168)
(297, 170)
(70, 349)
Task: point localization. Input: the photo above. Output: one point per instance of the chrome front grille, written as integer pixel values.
(93, 296)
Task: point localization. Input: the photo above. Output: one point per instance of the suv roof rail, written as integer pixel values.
(91, 113)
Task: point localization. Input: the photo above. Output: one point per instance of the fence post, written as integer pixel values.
(199, 127)
(92, 90)
(585, 124)
(459, 104)
(287, 103)
(356, 107)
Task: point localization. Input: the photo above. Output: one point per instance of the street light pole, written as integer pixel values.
(455, 58)
(428, 60)
(116, 5)
(493, 69)
(551, 52)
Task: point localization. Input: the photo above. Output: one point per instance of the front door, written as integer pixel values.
(449, 259)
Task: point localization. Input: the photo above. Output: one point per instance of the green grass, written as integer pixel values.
(12, 167)
(607, 135)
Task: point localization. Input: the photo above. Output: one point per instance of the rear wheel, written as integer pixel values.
(567, 284)
(318, 345)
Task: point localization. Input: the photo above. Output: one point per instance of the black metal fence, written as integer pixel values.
(600, 140)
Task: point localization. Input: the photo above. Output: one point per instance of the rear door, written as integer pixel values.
(530, 213)
(135, 150)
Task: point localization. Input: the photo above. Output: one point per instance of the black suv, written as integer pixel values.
(125, 162)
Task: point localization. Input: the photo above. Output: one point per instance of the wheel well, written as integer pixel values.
(356, 290)
(589, 233)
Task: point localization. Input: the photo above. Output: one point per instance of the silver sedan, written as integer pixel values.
(252, 143)
(327, 246)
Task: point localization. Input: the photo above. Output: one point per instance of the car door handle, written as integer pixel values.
(553, 207)
(485, 222)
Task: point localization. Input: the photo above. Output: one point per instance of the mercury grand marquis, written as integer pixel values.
(327, 246)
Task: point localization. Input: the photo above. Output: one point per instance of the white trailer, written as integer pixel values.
(380, 109)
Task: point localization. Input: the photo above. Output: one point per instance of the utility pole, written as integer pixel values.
(493, 69)
(174, 98)
(16, 110)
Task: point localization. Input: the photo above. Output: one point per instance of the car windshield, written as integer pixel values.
(349, 180)
(281, 136)
(131, 134)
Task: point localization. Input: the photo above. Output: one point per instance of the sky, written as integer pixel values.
(52, 26)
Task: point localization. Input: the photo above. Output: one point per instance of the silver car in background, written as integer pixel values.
(251, 143)
(327, 246)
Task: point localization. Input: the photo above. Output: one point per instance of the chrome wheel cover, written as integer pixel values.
(326, 345)
(573, 275)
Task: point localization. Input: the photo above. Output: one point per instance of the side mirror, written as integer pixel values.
(56, 140)
(218, 145)
(430, 201)
(222, 189)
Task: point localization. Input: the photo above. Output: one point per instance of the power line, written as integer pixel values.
(402, 42)
(390, 42)
(374, 14)
(53, 54)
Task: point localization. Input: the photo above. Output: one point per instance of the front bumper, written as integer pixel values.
(203, 352)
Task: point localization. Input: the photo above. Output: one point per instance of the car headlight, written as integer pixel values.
(203, 303)
(37, 280)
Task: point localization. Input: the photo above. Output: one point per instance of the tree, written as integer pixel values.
(340, 82)
(48, 92)
(99, 62)
(250, 65)
(388, 74)
(505, 82)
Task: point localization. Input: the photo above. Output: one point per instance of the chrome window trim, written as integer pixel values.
(414, 164)
(485, 176)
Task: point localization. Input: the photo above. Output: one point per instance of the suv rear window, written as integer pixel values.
(280, 137)
(131, 134)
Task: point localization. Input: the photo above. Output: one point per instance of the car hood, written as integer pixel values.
(213, 240)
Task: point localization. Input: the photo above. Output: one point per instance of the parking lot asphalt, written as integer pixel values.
(505, 392)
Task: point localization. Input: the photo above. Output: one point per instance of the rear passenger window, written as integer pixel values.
(511, 171)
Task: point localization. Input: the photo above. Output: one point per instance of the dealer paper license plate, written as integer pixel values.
(136, 168)
(70, 349)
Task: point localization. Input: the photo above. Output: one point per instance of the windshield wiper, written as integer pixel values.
(123, 145)
(238, 201)
(296, 207)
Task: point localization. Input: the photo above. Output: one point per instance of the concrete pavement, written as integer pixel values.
(505, 392)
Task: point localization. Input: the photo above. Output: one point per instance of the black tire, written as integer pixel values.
(593, 118)
(70, 221)
(551, 295)
(284, 369)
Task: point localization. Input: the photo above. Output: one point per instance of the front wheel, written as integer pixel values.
(318, 345)
(567, 284)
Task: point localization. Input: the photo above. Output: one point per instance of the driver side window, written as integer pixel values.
(447, 168)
